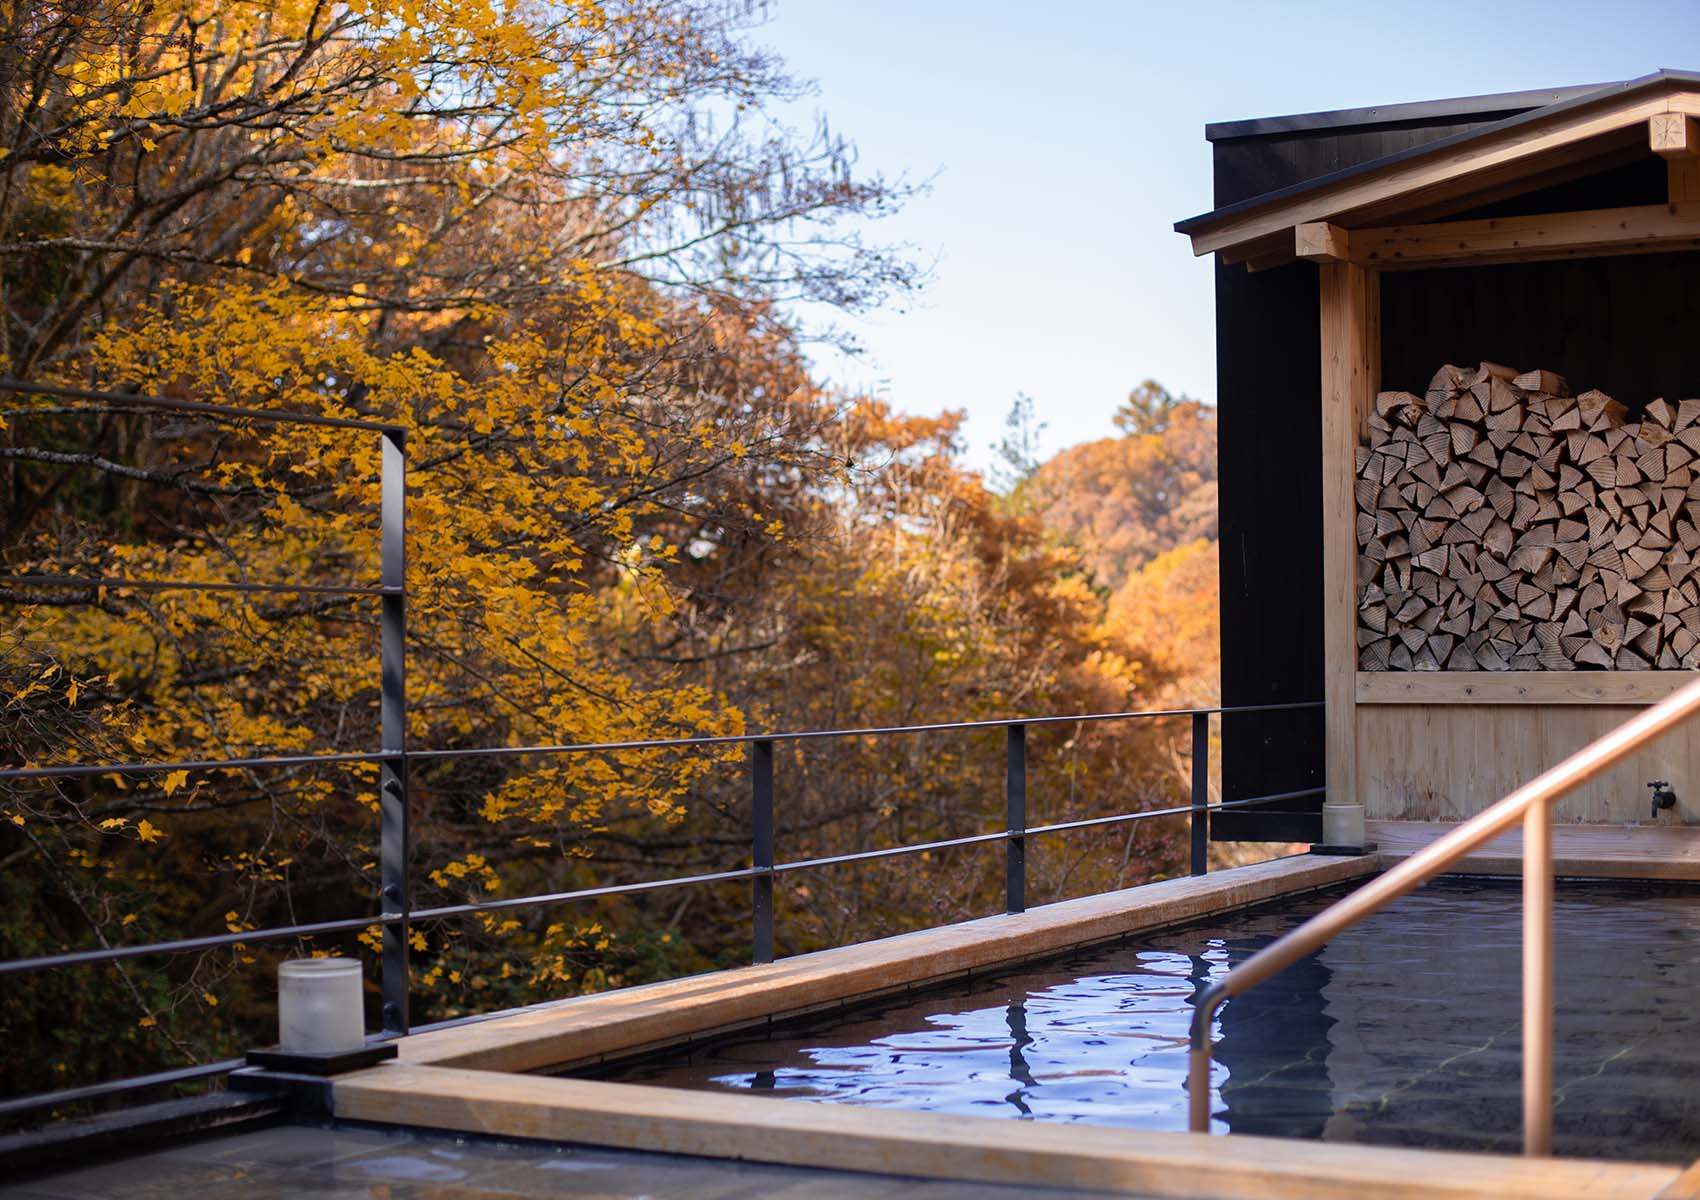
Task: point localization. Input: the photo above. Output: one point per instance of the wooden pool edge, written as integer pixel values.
(468, 1078)
(966, 1149)
(586, 1029)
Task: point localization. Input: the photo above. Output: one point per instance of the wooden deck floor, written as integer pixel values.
(1669, 852)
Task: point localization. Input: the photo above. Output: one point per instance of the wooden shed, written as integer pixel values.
(1540, 502)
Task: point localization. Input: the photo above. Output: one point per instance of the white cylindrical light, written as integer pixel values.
(319, 1009)
(1343, 825)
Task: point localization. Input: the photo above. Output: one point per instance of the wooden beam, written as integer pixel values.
(1673, 135)
(1518, 687)
(1589, 234)
(1320, 241)
(1351, 372)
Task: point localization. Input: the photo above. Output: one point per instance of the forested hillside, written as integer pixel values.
(558, 244)
(1141, 509)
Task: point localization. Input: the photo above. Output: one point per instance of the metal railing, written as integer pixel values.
(1532, 805)
(396, 913)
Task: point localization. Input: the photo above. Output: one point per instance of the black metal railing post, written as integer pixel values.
(392, 794)
(1200, 793)
(761, 850)
(1015, 818)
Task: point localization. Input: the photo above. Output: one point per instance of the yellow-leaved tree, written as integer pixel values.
(548, 239)
(555, 241)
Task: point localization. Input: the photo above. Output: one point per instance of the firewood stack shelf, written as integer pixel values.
(1506, 525)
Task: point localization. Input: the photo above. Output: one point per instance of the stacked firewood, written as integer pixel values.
(1506, 525)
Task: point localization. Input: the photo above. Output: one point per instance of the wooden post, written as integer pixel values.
(1537, 980)
(1351, 372)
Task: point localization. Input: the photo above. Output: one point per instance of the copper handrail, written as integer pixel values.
(1531, 804)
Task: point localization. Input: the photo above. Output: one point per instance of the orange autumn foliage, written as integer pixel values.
(529, 236)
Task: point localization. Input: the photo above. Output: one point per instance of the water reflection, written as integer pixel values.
(1016, 1017)
(1402, 1031)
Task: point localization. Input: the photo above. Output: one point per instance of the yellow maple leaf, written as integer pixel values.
(146, 1023)
(212, 1000)
(113, 823)
(174, 781)
(148, 831)
(27, 691)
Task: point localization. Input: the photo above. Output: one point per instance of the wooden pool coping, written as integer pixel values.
(470, 1078)
(970, 1149)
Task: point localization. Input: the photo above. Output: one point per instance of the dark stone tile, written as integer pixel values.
(286, 1146)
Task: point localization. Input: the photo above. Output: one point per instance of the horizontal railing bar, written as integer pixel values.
(192, 585)
(134, 1083)
(736, 739)
(1173, 812)
(75, 770)
(212, 941)
(347, 924)
(79, 958)
(547, 898)
(974, 839)
(1003, 835)
(132, 399)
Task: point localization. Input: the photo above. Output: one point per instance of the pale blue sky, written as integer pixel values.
(1066, 139)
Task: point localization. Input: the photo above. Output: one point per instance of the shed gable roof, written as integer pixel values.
(1593, 130)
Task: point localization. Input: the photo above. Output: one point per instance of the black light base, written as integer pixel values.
(332, 1063)
(1344, 851)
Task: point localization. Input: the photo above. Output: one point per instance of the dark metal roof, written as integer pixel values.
(1497, 104)
(1574, 98)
